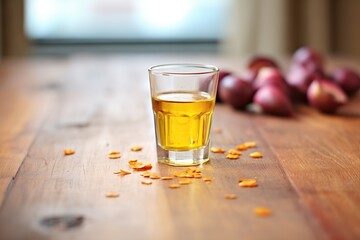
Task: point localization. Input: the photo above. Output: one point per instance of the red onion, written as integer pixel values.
(273, 101)
(347, 79)
(300, 77)
(325, 95)
(259, 62)
(271, 76)
(308, 58)
(222, 74)
(235, 91)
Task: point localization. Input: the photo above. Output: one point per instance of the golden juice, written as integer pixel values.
(183, 119)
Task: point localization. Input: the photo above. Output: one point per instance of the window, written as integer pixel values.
(125, 20)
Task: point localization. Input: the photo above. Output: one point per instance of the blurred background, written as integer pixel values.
(228, 27)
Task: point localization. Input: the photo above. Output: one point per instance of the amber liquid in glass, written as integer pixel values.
(183, 119)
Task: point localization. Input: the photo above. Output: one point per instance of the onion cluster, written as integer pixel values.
(265, 87)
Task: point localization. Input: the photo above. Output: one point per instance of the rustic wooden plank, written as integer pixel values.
(321, 155)
(104, 105)
(23, 110)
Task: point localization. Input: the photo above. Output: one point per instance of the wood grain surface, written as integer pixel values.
(25, 98)
(308, 177)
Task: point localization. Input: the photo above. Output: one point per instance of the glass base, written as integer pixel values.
(183, 158)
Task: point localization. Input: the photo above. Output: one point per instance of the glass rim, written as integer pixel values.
(157, 69)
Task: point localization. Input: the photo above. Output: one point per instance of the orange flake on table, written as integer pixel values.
(122, 172)
(113, 152)
(262, 211)
(231, 196)
(167, 178)
(136, 148)
(198, 175)
(207, 179)
(250, 144)
(180, 174)
(135, 164)
(132, 161)
(217, 150)
(256, 155)
(185, 182)
(232, 156)
(154, 176)
(189, 175)
(247, 182)
(241, 147)
(141, 167)
(234, 152)
(114, 156)
(174, 186)
(69, 152)
(112, 195)
(145, 174)
(147, 182)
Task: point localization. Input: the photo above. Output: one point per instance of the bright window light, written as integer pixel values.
(163, 13)
(124, 20)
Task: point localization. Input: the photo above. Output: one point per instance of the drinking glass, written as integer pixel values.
(183, 100)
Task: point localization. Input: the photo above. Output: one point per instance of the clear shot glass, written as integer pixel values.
(183, 100)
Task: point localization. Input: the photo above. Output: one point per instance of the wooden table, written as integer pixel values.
(309, 176)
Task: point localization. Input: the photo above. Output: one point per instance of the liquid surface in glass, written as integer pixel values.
(183, 119)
